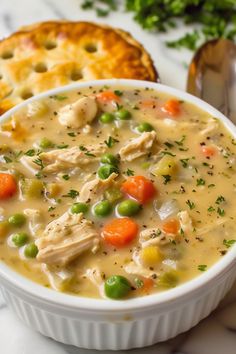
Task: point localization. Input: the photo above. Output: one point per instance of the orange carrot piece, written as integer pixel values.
(208, 151)
(120, 232)
(107, 96)
(8, 186)
(139, 187)
(171, 227)
(148, 104)
(147, 285)
(172, 107)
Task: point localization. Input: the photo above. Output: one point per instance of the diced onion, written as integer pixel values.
(167, 209)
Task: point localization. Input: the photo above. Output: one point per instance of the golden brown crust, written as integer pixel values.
(52, 54)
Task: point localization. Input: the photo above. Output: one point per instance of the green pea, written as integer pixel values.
(31, 250)
(109, 159)
(102, 208)
(117, 287)
(145, 127)
(17, 220)
(128, 207)
(45, 143)
(106, 170)
(20, 239)
(123, 114)
(107, 118)
(77, 208)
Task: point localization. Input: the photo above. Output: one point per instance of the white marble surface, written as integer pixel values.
(214, 335)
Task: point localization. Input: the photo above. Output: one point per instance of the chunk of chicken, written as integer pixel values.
(92, 190)
(185, 222)
(66, 238)
(212, 125)
(154, 236)
(28, 162)
(58, 279)
(138, 146)
(79, 113)
(95, 276)
(34, 217)
(62, 159)
(133, 268)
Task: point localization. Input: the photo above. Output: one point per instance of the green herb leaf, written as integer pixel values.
(200, 182)
(167, 178)
(129, 172)
(202, 267)
(110, 142)
(71, 194)
(228, 243)
(190, 204)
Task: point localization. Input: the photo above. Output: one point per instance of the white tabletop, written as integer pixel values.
(214, 335)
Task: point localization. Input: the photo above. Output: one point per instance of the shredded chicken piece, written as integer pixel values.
(58, 279)
(66, 238)
(61, 159)
(212, 125)
(138, 146)
(78, 114)
(185, 222)
(35, 220)
(154, 236)
(95, 276)
(132, 268)
(2, 213)
(208, 228)
(28, 162)
(92, 190)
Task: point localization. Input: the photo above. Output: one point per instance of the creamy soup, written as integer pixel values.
(115, 192)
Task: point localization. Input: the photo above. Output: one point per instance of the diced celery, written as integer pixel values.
(169, 279)
(166, 166)
(32, 188)
(113, 195)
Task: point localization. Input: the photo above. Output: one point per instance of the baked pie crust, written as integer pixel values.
(51, 54)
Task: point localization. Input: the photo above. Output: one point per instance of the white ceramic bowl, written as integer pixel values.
(107, 324)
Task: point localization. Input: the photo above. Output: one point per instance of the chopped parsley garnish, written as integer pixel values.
(129, 172)
(30, 152)
(82, 148)
(211, 185)
(39, 162)
(72, 134)
(51, 208)
(190, 204)
(71, 194)
(228, 243)
(66, 177)
(202, 267)
(62, 146)
(59, 97)
(118, 93)
(167, 153)
(220, 200)
(180, 142)
(169, 145)
(110, 142)
(220, 211)
(87, 153)
(167, 178)
(200, 182)
(7, 159)
(184, 162)
(211, 209)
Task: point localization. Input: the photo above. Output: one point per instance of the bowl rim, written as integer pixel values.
(195, 285)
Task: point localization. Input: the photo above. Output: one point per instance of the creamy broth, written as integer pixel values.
(181, 211)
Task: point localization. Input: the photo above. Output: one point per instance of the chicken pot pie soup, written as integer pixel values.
(115, 192)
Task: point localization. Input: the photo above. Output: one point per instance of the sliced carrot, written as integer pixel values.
(120, 232)
(147, 285)
(208, 151)
(139, 187)
(8, 186)
(172, 107)
(171, 226)
(107, 96)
